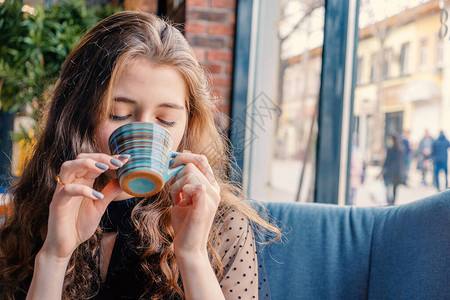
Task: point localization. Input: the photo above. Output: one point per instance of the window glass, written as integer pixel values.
(400, 123)
(282, 112)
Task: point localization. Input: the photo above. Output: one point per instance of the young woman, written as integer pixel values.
(195, 239)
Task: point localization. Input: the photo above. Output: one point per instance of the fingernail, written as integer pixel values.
(171, 200)
(124, 156)
(97, 195)
(116, 162)
(171, 163)
(101, 166)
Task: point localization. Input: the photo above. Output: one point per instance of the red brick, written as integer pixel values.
(224, 108)
(222, 82)
(197, 14)
(223, 105)
(217, 42)
(201, 3)
(219, 55)
(194, 27)
(221, 29)
(231, 44)
(200, 53)
(217, 95)
(231, 4)
(214, 68)
(226, 95)
(228, 69)
(232, 18)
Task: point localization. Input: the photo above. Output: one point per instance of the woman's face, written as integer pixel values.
(147, 93)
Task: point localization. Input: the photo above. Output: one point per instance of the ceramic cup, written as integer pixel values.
(150, 148)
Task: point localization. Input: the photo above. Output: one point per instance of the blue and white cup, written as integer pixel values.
(150, 148)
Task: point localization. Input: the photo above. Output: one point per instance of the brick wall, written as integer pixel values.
(210, 26)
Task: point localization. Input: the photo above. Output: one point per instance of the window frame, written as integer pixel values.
(335, 104)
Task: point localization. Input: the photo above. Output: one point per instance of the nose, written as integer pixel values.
(146, 117)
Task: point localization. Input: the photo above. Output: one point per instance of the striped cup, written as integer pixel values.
(150, 148)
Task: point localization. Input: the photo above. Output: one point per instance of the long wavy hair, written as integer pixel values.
(81, 99)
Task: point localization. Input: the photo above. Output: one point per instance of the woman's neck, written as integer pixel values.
(123, 196)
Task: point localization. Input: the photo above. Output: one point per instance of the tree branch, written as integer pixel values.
(315, 5)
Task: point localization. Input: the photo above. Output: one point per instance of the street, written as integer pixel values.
(285, 180)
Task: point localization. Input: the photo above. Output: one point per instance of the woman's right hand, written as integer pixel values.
(76, 208)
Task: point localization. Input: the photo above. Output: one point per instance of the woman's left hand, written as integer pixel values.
(196, 195)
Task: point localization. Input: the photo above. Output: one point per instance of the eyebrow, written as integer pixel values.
(165, 104)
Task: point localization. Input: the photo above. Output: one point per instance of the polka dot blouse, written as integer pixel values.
(244, 276)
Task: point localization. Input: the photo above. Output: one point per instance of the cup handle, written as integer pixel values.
(174, 171)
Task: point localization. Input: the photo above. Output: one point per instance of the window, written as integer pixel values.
(423, 54)
(439, 52)
(281, 130)
(359, 66)
(373, 67)
(404, 59)
(391, 42)
(387, 64)
(411, 106)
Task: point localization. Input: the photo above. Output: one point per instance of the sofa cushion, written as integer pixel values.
(325, 252)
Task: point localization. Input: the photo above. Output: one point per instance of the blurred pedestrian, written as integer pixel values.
(393, 168)
(424, 155)
(408, 157)
(440, 158)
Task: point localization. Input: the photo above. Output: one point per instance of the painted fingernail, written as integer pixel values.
(116, 162)
(171, 200)
(101, 166)
(171, 163)
(97, 195)
(124, 156)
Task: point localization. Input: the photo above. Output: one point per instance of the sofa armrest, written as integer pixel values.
(411, 251)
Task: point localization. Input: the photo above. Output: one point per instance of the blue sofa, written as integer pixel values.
(342, 252)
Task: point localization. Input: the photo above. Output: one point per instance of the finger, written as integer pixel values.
(112, 189)
(114, 161)
(178, 199)
(71, 191)
(194, 192)
(80, 168)
(190, 168)
(110, 192)
(199, 160)
(189, 175)
(85, 166)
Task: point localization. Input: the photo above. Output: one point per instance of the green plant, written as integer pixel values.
(35, 46)
(12, 54)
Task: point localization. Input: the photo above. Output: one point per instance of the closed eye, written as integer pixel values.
(165, 122)
(119, 118)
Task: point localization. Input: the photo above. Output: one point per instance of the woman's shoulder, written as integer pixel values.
(234, 230)
(231, 218)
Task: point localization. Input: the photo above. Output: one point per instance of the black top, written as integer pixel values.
(123, 281)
